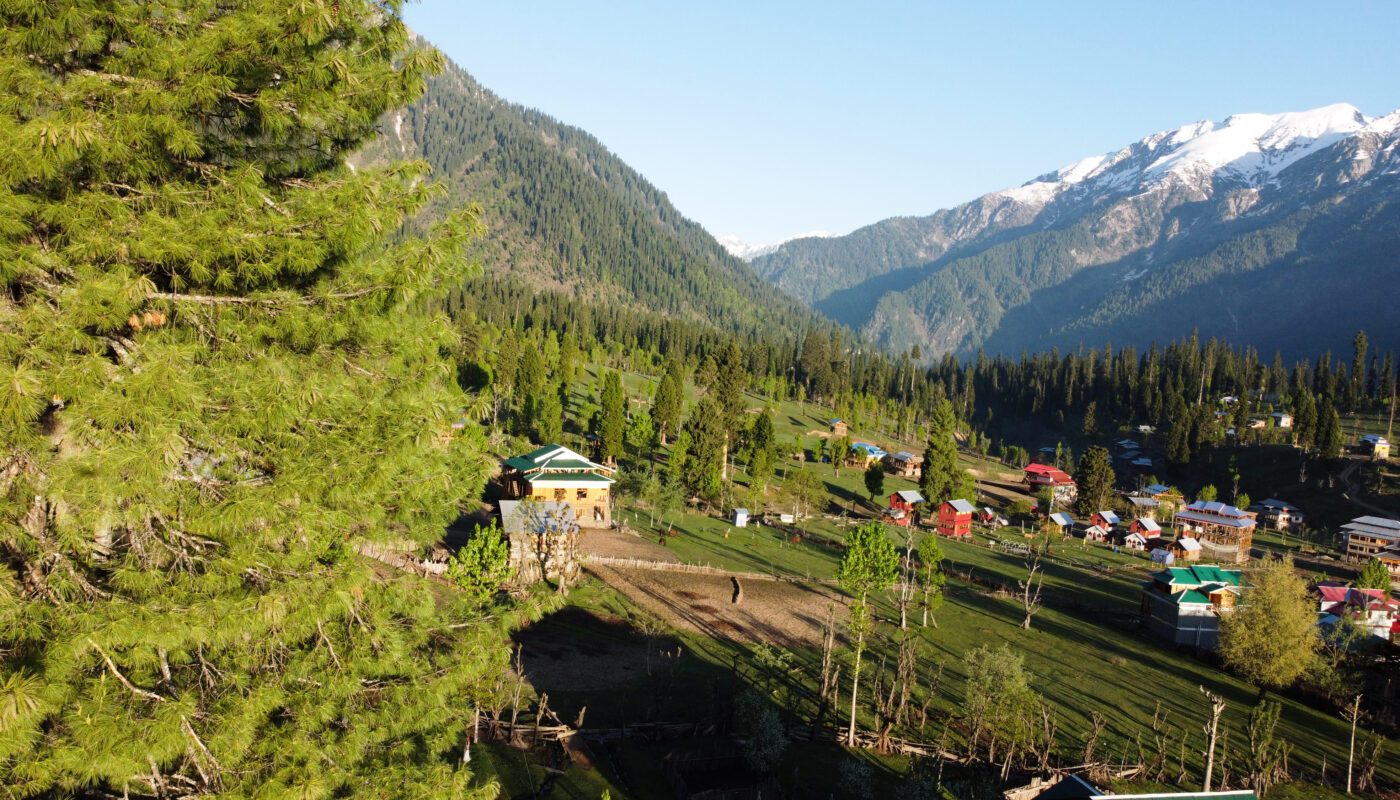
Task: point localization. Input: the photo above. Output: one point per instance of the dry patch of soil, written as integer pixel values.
(779, 613)
(622, 544)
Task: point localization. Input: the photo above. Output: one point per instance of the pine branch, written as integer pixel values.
(329, 646)
(189, 730)
(120, 677)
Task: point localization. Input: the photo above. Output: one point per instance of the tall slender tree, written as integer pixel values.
(942, 477)
(666, 405)
(1094, 477)
(869, 564)
(217, 383)
(612, 416)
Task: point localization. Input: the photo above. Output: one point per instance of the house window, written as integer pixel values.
(582, 494)
(558, 495)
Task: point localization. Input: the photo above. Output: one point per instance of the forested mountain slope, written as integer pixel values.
(1280, 232)
(565, 214)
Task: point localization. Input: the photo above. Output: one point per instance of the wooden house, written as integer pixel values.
(1279, 515)
(1374, 446)
(1144, 506)
(1061, 485)
(1371, 609)
(838, 427)
(555, 473)
(1096, 533)
(1226, 533)
(1390, 557)
(1184, 604)
(862, 454)
(955, 518)
(1133, 541)
(902, 505)
(1059, 523)
(1161, 493)
(1185, 549)
(1148, 528)
(1105, 519)
(1368, 536)
(904, 464)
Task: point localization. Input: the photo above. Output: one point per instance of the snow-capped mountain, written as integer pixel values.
(1267, 229)
(740, 249)
(1253, 149)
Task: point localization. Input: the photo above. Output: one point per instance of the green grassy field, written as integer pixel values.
(1083, 651)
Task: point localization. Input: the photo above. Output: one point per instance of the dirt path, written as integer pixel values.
(1353, 491)
(779, 613)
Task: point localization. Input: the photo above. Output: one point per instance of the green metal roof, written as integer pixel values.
(1191, 596)
(521, 463)
(1181, 576)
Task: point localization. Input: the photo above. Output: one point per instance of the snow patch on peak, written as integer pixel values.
(748, 252)
(1257, 146)
(1250, 147)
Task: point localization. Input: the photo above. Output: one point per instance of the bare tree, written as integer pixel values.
(1091, 743)
(1212, 728)
(1031, 586)
(908, 578)
(1353, 712)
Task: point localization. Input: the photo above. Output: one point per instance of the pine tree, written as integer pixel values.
(612, 420)
(218, 385)
(705, 434)
(666, 406)
(942, 477)
(1329, 430)
(1095, 478)
(763, 449)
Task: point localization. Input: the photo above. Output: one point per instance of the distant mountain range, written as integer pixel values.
(569, 217)
(1280, 231)
(740, 249)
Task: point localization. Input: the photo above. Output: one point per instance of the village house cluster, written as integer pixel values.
(1197, 546)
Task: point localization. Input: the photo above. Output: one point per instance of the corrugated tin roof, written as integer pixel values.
(910, 496)
(962, 506)
(1062, 519)
(1149, 524)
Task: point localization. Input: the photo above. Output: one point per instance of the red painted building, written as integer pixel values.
(955, 518)
(901, 510)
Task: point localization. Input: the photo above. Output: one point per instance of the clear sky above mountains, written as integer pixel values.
(767, 119)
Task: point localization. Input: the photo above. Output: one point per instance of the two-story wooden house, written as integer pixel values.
(555, 473)
(1225, 533)
(1184, 604)
(955, 518)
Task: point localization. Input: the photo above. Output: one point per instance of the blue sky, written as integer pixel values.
(767, 119)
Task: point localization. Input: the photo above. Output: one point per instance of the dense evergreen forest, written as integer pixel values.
(566, 214)
(1006, 403)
